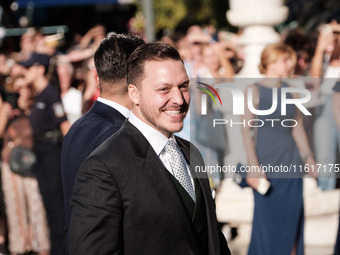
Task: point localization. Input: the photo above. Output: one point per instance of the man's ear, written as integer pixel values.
(95, 77)
(133, 94)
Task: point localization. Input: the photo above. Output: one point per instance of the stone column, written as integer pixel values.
(256, 18)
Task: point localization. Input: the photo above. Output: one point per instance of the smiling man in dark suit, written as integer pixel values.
(106, 115)
(137, 193)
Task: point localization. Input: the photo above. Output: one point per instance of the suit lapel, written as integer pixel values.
(194, 159)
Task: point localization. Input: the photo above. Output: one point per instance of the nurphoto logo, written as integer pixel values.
(283, 94)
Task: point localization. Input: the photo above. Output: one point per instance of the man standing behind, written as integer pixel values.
(136, 193)
(106, 115)
(49, 124)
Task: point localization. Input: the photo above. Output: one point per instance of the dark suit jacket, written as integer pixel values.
(86, 134)
(124, 202)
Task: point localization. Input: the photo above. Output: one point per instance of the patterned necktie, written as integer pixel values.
(179, 169)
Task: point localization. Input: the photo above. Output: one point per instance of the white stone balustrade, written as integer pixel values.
(256, 19)
(235, 206)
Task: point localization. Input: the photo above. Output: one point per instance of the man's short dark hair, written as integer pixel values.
(112, 55)
(148, 52)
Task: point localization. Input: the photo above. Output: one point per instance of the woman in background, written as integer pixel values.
(216, 68)
(216, 65)
(278, 215)
(326, 65)
(26, 219)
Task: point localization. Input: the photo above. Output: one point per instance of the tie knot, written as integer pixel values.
(171, 146)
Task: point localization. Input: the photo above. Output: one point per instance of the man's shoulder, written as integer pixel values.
(84, 125)
(89, 131)
(127, 142)
(97, 121)
(117, 154)
(104, 109)
(87, 119)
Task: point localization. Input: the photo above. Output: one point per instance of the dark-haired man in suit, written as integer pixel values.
(137, 193)
(107, 113)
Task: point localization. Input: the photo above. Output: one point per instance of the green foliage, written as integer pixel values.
(200, 10)
(168, 13)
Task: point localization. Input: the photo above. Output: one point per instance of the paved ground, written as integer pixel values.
(237, 249)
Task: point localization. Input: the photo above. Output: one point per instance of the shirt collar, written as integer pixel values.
(156, 139)
(122, 109)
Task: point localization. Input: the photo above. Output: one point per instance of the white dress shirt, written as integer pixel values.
(122, 109)
(158, 141)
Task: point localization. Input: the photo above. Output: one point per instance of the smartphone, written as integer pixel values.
(12, 99)
(263, 186)
(240, 179)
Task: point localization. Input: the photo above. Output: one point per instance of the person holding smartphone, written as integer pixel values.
(278, 213)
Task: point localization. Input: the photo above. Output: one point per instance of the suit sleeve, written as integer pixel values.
(96, 212)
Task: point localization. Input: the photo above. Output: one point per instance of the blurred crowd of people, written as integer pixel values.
(27, 204)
